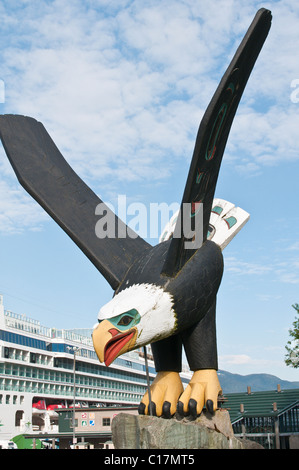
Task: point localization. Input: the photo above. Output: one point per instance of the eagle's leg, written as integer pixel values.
(167, 386)
(201, 351)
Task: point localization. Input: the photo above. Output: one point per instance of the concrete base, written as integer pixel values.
(150, 432)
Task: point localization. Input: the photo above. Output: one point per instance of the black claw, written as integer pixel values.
(192, 408)
(166, 410)
(210, 406)
(180, 409)
(141, 408)
(152, 409)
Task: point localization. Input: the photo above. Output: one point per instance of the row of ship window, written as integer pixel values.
(54, 389)
(64, 363)
(63, 377)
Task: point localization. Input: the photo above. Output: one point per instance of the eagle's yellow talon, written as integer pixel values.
(203, 388)
(165, 389)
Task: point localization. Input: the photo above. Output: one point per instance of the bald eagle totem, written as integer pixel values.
(164, 295)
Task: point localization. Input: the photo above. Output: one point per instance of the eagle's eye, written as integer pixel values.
(125, 320)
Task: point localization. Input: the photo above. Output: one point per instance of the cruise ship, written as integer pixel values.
(45, 369)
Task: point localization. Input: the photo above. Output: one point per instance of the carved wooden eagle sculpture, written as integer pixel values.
(164, 295)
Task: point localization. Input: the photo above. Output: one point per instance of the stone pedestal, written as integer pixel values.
(150, 432)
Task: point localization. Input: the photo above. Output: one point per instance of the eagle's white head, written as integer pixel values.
(136, 316)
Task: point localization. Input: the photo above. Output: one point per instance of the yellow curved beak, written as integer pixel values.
(109, 343)
(101, 337)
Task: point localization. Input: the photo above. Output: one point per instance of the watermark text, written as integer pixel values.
(137, 219)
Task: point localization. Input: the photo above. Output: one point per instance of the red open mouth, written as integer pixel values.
(116, 343)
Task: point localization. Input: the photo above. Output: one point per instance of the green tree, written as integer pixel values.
(292, 357)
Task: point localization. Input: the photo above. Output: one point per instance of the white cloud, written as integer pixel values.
(294, 246)
(289, 277)
(18, 211)
(245, 361)
(105, 83)
(121, 88)
(235, 359)
(276, 270)
(268, 297)
(237, 266)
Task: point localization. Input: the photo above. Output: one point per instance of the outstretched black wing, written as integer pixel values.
(211, 140)
(49, 179)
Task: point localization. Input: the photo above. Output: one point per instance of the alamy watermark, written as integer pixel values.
(148, 221)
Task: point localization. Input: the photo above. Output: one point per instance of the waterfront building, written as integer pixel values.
(37, 375)
(270, 418)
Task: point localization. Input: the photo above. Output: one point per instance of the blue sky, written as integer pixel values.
(121, 87)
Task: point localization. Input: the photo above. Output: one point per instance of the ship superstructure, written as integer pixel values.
(37, 375)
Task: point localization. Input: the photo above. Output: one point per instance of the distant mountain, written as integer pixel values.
(234, 383)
